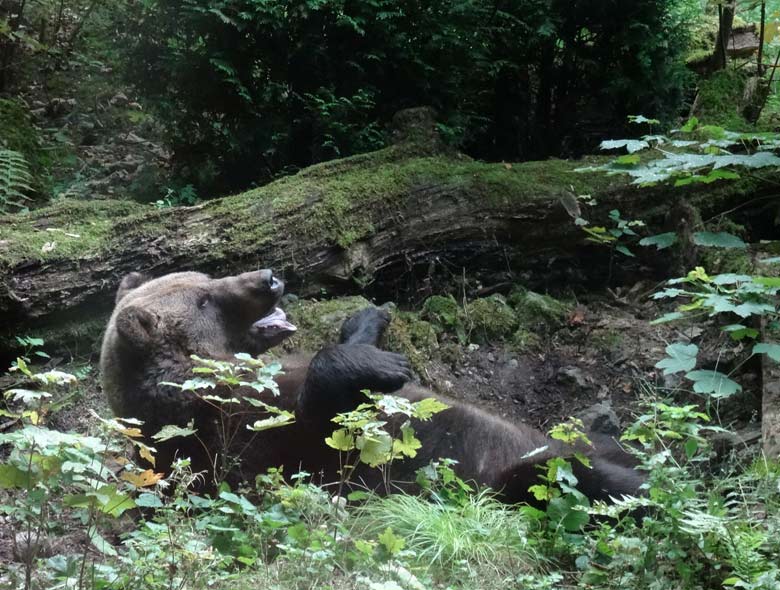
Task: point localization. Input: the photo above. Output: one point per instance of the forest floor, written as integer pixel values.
(598, 365)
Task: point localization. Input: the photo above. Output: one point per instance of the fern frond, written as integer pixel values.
(15, 180)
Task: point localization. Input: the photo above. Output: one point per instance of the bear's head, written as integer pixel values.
(157, 324)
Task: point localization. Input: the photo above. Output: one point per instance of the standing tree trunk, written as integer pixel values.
(726, 10)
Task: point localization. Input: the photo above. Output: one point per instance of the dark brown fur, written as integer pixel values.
(157, 325)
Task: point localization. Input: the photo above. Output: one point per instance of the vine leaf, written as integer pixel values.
(681, 357)
(713, 382)
(660, 241)
(718, 240)
(771, 349)
(631, 145)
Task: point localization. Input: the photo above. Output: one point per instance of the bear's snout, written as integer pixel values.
(261, 280)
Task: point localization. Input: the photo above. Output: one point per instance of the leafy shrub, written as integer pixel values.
(15, 181)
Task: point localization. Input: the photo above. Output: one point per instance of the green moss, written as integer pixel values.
(415, 338)
(523, 340)
(319, 322)
(78, 229)
(347, 199)
(68, 228)
(726, 260)
(444, 312)
(720, 100)
(336, 203)
(535, 311)
(490, 318)
(703, 34)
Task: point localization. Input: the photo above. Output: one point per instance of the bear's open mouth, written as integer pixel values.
(274, 325)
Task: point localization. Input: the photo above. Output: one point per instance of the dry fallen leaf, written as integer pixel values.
(144, 479)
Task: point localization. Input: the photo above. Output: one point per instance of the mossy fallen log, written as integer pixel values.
(336, 226)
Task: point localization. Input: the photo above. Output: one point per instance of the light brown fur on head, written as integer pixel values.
(158, 324)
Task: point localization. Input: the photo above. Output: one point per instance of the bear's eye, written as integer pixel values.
(204, 301)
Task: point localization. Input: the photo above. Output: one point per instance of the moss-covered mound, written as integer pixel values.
(319, 322)
(489, 318)
(521, 318)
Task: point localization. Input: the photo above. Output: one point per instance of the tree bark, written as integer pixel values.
(361, 224)
(725, 24)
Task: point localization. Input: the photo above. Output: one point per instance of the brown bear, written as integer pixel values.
(157, 324)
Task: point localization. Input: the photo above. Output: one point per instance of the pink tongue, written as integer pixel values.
(276, 321)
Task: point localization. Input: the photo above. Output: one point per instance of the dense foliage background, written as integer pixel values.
(248, 89)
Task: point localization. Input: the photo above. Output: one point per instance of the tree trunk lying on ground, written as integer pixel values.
(337, 226)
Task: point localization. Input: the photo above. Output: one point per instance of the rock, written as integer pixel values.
(601, 418)
(491, 357)
(514, 363)
(473, 347)
(572, 375)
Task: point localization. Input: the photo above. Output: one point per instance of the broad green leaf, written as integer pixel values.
(26, 396)
(771, 349)
(668, 317)
(147, 500)
(567, 511)
(718, 240)
(13, 477)
(660, 241)
(198, 383)
(358, 496)
(375, 449)
(391, 542)
(691, 446)
(681, 357)
(426, 408)
(628, 160)
(631, 145)
(739, 332)
(753, 308)
(731, 279)
(713, 382)
(690, 125)
(767, 281)
(101, 544)
(408, 444)
(637, 119)
(282, 419)
(625, 251)
(170, 431)
(341, 440)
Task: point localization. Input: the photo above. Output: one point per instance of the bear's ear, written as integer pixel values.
(136, 326)
(130, 282)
